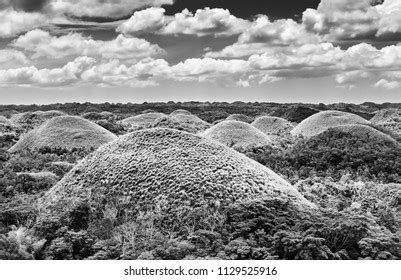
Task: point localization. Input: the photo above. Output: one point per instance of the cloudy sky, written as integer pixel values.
(204, 50)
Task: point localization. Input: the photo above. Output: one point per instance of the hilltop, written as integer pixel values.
(64, 132)
(322, 121)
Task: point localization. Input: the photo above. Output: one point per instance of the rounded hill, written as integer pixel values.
(29, 120)
(389, 119)
(95, 116)
(153, 166)
(180, 112)
(322, 121)
(65, 132)
(359, 149)
(240, 118)
(273, 126)
(364, 133)
(142, 120)
(192, 121)
(238, 135)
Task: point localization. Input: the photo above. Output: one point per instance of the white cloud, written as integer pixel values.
(32, 76)
(263, 35)
(43, 44)
(389, 85)
(368, 57)
(218, 22)
(14, 22)
(203, 69)
(142, 74)
(145, 21)
(390, 17)
(103, 8)
(351, 77)
(354, 19)
(10, 58)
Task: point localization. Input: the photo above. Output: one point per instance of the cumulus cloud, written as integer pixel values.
(10, 58)
(203, 69)
(145, 21)
(308, 56)
(354, 19)
(32, 76)
(113, 73)
(43, 44)
(368, 57)
(14, 22)
(206, 22)
(262, 35)
(216, 22)
(103, 8)
(389, 85)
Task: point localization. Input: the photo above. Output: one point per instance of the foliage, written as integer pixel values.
(334, 154)
(18, 244)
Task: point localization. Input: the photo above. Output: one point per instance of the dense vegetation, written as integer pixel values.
(355, 185)
(334, 154)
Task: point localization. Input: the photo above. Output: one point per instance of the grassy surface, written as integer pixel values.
(31, 120)
(142, 120)
(180, 112)
(322, 121)
(240, 118)
(65, 132)
(191, 120)
(238, 135)
(273, 126)
(147, 167)
(389, 119)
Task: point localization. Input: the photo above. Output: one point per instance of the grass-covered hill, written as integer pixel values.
(191, 121)
(180, 112)
(142, 120)
(96, 116)
(149, 167)
(64, 132)
(389, 119)
(165, 194)
(30, 120)
(273, 126)
(322, 121)
(208, 111)
(238, 135)
(359, 150)
(239, 118)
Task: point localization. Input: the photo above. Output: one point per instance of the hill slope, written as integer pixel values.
(65, 132)
(153, 166)
(191, 120)
(30, 120)
(322, 121)
(142, 120)
(238, 135)
(240, 118)
(389, 119)
(273, 126)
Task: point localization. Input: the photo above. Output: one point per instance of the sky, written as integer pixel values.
(311, 51)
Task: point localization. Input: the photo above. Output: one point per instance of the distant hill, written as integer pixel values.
(65, 132)
(322, 121)
(273, 126)
(238, 135)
